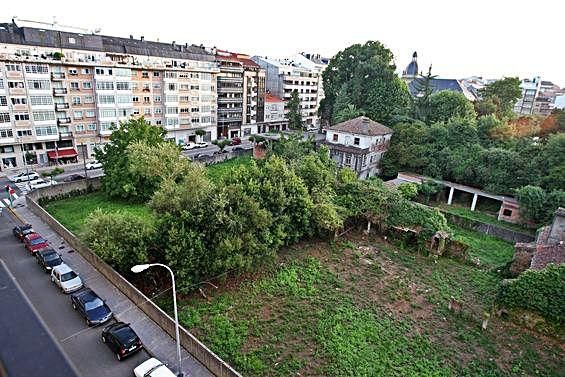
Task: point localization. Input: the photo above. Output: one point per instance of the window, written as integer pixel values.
(335, 137)
(75, 86)
(123, 72)
(172, 121)
(13, 68)
(184, 99)
(157, 110)
(194, 87)
(135, 111)
(184, 87)
(108, 113)
(46, 131)
(205, 109)
(7, 132)
(156, 98)
(78, 114)
(4, 117)
(106, 99)
(40, 116)
(39, 84)
(172, 110)
(122, 86)
(205, 119)
(171, 98)
(155, 74)
(124, 99)
(348, 158)
(41, 100)
(507, 212)
(106, 126)
(79, 127)
(146, 87)
(105, 85)
(90, 114)
(364, 160)
(172, 87)
(72, 40)
(73, 71)
(92, 127)
(16, 84)
(25, 133)
(135, 99)
(21, 116)
(195, 110)
(147, 111)
(124, 112)
(88, 99)
(145, 74)
(85, 71)
(86, 85)
(36, 68)
(156, 85)
(158, 122)
(3, 101)
(76, 101)
(1, 84)
(146, 99)
(133, 86)
(356, 141)
(183, 110)
(18, 100)
(170, 75)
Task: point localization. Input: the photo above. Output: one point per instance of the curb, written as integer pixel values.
(16, 216)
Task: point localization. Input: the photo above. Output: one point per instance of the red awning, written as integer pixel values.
(62, 153)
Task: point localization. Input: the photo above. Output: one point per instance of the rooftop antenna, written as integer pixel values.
(56, 23)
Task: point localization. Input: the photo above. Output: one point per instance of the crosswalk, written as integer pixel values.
(5, 202)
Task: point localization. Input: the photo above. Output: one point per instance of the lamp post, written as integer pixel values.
(20, 139)
(142, 267)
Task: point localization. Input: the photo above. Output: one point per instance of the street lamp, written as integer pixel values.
(142, 267)
(20, 139)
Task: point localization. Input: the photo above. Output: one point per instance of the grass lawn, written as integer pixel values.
(217, 171)
(368, 308)
(72, 212)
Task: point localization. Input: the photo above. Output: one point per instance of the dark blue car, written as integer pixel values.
(91, 307)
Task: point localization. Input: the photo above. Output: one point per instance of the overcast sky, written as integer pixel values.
(489, 38)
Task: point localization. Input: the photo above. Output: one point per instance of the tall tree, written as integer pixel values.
(448, 104)
(421, 102)
(118, 179)
(503, 94)
(367, 72)
(294, 114)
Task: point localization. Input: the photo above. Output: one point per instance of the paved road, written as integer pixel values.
(81, 343)
(25, 338)
(211, 149)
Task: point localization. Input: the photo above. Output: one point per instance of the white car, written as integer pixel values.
(24, 176)
(188, 146)
(152, 368)
(65, 278)
(39, 183)
(201, 144)
(93, 165)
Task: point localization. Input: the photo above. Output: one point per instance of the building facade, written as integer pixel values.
(530, 89)
(62, 93)
(275, 118)
(358, 144)
(286, 75)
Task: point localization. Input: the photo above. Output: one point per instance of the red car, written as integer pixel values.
(34, 242)
(235, 141)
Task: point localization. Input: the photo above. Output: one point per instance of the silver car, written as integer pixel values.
(65, 278)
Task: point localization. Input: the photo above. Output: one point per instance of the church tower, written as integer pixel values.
(411, 71)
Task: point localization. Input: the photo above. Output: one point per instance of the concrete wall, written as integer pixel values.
(216, 158)
(216, 365)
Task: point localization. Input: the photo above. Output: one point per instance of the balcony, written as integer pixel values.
(230, 100)
(61, 106)
(230, 110)
(229, 79)
(65, 120)
(59, 91)
(65, 135)
(229, 90)
(57, 75)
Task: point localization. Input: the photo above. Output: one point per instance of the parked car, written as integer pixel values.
(74, 177)
(188, 146)
(91, 307)
(24, 176)
(235, 141)
(93, 165)
(48, 258)
(39, 183)
(201, 144)
(20, 231)
(121, 339)
(65, 278)
(152, 368)
(33, 242)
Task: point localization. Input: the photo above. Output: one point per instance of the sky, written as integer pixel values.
(460, 38)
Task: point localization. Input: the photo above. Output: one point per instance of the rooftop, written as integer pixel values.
(244, 59)
(361, 126)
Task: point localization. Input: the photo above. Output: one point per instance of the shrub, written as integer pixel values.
(541, 291)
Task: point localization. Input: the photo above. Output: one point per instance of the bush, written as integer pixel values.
(541, 291)
(408, 190)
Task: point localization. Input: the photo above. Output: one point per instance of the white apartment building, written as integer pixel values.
(61, 93)
(530, 89)
(286, 75)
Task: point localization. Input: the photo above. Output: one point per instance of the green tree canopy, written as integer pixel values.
(503, 94)
(294, 114)
(448, 104)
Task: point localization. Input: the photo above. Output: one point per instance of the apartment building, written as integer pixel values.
(530, 89)
(62, 93)
(275, 117)
(241, 94)
(286, 75)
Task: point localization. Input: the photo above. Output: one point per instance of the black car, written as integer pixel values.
(20, 231)
(91, 307)
(48, 258)
(121, 339)
(74, 177)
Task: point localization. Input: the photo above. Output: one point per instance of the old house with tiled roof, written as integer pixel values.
(359, 144)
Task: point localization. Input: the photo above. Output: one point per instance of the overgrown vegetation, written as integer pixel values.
(217, 172)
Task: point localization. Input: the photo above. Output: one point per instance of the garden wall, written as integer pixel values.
(505, 234)
(217, 158)
(208, 358)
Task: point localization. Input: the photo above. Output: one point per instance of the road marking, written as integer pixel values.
(2, 205)
(7, 201)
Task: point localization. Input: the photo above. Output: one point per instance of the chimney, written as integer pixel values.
(174, 44)
(130, 36)
(142, 38)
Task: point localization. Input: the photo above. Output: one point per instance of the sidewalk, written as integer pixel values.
(156, 341)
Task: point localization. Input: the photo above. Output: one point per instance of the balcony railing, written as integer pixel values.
(230, 110)
(57, 75)
(59, 91)
(230, 100)
(66, 135)
(65, 120)
(61, 106)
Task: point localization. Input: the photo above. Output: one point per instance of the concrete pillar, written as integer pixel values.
(474, 203)
(450, 198)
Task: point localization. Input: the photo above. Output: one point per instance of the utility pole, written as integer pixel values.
(84, 160)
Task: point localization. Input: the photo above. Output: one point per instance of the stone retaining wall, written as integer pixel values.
(210, 360)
